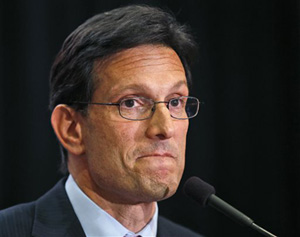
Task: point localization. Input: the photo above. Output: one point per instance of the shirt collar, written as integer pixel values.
(97, 222)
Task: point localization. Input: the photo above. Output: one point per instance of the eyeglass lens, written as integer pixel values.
(139, 108)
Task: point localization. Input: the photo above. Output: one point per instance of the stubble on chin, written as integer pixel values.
(152, 189)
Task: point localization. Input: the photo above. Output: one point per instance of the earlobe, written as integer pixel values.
(67, 128)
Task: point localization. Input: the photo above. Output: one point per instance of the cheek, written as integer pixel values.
(181, 141)
(181, 133)
(105, 153)
(112, 141)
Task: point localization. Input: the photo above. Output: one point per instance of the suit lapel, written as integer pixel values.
(162, 229)
(54, 215)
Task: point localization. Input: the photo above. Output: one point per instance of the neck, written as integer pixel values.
(134, 217)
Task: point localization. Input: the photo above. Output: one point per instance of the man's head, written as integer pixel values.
(135, 51)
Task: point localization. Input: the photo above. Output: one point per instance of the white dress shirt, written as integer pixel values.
(97, 222)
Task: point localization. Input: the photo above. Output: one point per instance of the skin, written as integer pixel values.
(126, 166)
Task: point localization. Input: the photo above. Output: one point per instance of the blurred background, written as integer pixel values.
(245, 141)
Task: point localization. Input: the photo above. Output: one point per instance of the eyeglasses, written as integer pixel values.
(140, 108)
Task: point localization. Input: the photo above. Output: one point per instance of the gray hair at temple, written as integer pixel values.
(105, 34)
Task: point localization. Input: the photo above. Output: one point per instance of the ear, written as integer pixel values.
(67, 128)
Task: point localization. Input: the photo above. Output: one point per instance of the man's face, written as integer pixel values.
(136, 161)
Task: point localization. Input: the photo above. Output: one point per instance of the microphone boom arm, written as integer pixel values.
(235, 214)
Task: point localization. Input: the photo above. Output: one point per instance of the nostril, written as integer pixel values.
(161, 136)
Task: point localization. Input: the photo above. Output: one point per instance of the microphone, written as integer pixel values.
(204, 194)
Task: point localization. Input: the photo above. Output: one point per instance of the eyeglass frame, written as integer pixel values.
(152, 109)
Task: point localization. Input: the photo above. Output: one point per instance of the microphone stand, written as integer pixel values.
(261, 230)
(235, 214)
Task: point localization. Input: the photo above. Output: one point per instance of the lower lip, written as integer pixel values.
(156, 156)
(161, 163)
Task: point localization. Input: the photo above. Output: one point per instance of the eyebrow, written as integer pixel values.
(144, 87)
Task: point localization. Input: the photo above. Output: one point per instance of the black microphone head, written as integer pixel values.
(198, 190)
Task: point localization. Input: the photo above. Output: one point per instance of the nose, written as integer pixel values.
(161, 124)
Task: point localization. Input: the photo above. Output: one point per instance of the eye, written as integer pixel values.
(132, 102)
(128, 103)
(176, 102)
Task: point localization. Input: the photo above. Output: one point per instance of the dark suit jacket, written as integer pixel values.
(53, 215)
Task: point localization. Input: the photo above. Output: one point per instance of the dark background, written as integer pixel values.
(245, 141)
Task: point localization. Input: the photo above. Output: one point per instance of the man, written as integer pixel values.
(120, 108)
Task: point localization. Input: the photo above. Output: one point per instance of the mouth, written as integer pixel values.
(158, 163)
(158, 155)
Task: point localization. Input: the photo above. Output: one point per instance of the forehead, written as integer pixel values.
(144, 65)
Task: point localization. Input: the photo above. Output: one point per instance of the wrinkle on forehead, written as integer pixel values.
(143, 87)
(154, 56)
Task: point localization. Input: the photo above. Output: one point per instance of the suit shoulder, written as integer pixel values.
(17, 220)
(168, 228)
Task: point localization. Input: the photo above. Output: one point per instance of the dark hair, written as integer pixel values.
(105, 34)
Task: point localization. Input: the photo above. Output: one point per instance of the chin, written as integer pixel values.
(159, 190)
